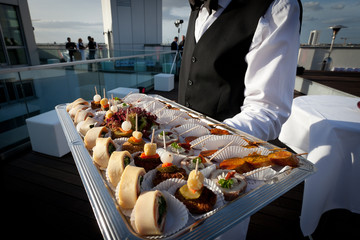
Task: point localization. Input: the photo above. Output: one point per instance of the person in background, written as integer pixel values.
(174, 44)
(81, 48)
(92, 47)
(71, 47)
(182, 43)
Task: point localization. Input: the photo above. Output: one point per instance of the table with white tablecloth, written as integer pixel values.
(328, 129)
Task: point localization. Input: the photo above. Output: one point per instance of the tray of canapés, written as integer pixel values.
(167, 166)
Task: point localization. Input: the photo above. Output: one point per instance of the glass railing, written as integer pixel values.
(29, 91)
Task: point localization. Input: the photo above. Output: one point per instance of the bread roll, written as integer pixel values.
(129, 186)
(116, 166)
(74, 110)
(81, 115)
(76, 102)
(92, 135)
(102, 151)
(87, 125)
(150, 213)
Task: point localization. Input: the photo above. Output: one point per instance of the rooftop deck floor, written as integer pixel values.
(43, 197)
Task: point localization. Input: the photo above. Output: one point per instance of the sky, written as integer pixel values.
(55, 20)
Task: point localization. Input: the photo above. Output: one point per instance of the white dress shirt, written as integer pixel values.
(272, 61)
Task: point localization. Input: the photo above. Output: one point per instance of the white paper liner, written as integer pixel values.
(220, 201)
(126, 212)
(132, 98)
(147, 184)
(261, 174)
(160, 142)
(218, 142)
(200, 141)
(171, 121)
(120, 141)
(237, 151)
(197, 130)
(172, 112)
(176, 217)
(196, 121)
(206, 171)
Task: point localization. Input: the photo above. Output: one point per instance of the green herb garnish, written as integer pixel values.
(162, 208)
(198, 159)
(175, 145)
(111, 148)
(226, 183)
(126, 161)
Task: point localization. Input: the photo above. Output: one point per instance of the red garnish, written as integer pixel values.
(229, 175)
(143, 156)
(135, 140)
(130, 131)
(185, 145)
(166, 164)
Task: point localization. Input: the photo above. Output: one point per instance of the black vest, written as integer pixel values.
(212, 71)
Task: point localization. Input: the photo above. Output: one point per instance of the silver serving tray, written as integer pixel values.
(114, 225)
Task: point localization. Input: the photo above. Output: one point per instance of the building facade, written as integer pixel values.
(17, 41)
(131, 24)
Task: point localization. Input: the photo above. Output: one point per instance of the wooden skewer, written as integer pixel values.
(95, 90)
(299, 154)
(217, 124)
(174, 119)
(201, 141)
(136, 122)
(218, 152)
(104, 92)
(164, 140)
(152, 102)
(159, 110)
(152, 137)
(190, 130)
(276, 149)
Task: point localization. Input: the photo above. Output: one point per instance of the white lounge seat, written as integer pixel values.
(46, 134)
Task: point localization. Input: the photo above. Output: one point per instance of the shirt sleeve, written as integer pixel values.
(270, 77)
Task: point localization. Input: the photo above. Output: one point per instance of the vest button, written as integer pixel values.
(187, 104)
(190, 82)
(193, 59)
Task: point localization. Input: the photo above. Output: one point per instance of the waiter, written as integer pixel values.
(239, 62)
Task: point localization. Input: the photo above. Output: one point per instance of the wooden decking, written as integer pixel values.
(43, 198)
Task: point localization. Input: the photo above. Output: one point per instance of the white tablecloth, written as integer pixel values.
(328, 128)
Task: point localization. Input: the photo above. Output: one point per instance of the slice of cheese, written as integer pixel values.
(147, 214)
(129, 186)
(116, 166)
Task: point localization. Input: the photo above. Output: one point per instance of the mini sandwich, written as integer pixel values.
(167, 170)
(128, 189)
(102, 151)
(78, 101)
(231, 183)
(195, 196)
(117, 163)
(150, 213)
(92, 135)
(81, 115)
(89, 123)
(74, 110)
(148, 159)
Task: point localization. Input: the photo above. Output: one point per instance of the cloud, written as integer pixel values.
(338, 6)
(314, 6)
